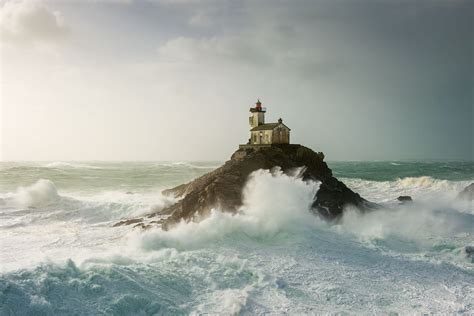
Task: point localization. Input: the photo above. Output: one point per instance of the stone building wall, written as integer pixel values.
(265, 138)
(281, 135)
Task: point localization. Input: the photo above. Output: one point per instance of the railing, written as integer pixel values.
(258, 110)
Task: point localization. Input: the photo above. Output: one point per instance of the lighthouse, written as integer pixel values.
(257, 116)
(266, 134)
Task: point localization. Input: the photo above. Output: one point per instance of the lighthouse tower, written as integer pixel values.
(257, 115)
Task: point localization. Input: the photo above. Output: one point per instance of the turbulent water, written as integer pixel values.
(59, 253)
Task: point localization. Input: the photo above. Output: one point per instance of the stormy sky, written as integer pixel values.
(173, 80)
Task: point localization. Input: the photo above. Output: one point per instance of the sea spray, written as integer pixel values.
(42, 193)
(420, 222)
(40, 223)
(272, 202)
(425, 231)
(423, 188)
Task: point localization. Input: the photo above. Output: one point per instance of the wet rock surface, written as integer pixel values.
(403, 199)
(469, 251)
(128, 222)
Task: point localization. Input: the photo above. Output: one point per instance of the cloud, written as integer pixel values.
(201, 19)
(212, 50)
(181, 2)
(274, 48)
(31, 22)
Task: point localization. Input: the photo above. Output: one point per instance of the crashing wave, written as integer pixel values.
(273, 202)
(42, 193)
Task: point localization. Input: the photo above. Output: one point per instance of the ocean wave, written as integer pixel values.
(183, 164)
(248, 280)
(42, 202)
(419, 222)
(69, 165)
(437, 234)
(42, 193)
(50, 288)
(424, 188)
(423, 182)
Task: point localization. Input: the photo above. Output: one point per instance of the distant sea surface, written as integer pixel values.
(59, 253)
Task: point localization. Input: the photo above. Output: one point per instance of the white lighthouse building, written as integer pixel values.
(262, 133)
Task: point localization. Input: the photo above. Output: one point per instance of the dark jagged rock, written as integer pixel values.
(469, 250)
(128, 222)
(222, 188)
(467, 193)
(403, 199)
(142, 226)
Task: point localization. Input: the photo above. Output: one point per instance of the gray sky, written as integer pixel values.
(173, 80)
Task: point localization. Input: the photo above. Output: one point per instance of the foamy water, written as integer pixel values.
(61, 255)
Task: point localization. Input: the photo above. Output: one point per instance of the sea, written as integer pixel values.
(61, 255)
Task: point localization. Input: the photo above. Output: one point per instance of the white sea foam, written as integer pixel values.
(272, 200)
(424, 188)
(38, 222)
(131, 204)
(228, 301)
(47, 203)
(184, 164)
(42, 193)
(420, 222)
(69, 165)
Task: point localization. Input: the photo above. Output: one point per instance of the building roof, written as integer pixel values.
(267, 127)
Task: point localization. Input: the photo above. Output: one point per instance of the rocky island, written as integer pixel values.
(222, 188)
(269, 147)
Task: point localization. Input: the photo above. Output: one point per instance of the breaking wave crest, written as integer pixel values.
(424, 188)
(42, 193)
(69, 165)
(183, 164)
(422, 182)
(272, 202)
(41, 203)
